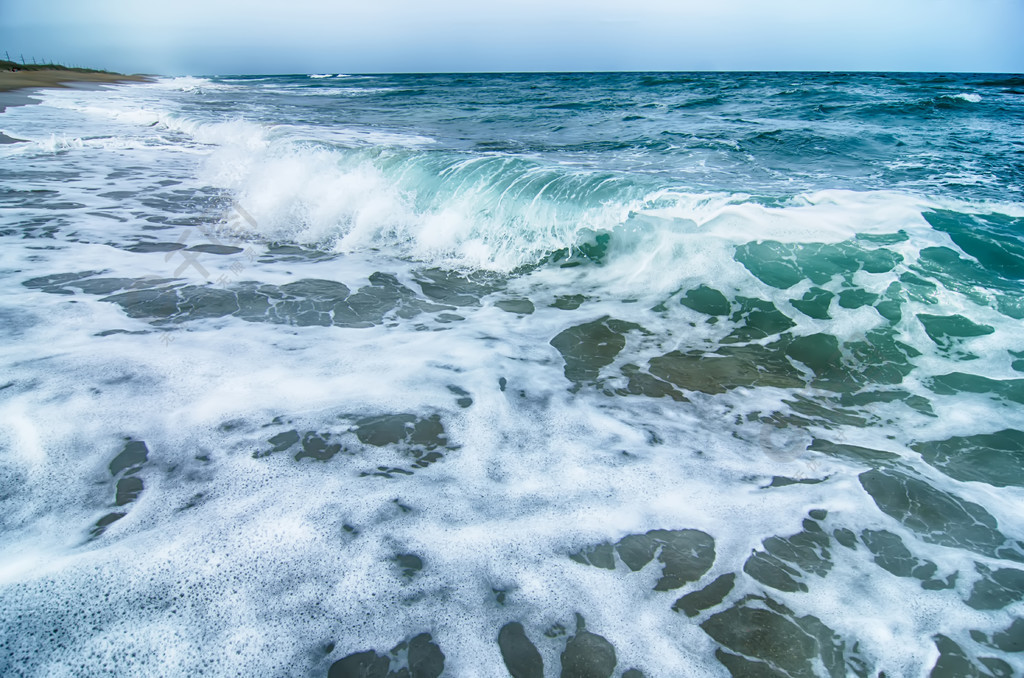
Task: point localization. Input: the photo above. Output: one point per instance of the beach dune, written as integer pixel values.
(10, 80)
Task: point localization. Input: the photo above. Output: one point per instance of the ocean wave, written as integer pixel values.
(926, 108)
(188, 83)
(501, 212)
(57, 143)
(359, 136)
(967, 96)
(1007, 81)
(331, 91)
(354, 189)
(493, 212)
(351, 190)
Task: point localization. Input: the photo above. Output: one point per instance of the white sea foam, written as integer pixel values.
(495, 213)
(275, 88)
(232, 564)
(345, 91)
(188, 83)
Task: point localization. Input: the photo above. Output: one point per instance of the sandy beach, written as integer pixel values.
(57, 78)
(15, 86)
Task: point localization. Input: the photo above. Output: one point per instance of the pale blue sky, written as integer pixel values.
(308, 36)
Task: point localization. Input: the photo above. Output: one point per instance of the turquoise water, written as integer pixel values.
(545, 374)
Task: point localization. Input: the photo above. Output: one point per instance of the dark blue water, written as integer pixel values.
(758, 133)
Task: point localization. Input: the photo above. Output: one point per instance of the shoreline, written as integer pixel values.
(24, 79)
(16, 88)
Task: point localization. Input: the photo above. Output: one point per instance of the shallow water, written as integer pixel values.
(588, 375)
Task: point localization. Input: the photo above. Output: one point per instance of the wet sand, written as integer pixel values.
(16, 86)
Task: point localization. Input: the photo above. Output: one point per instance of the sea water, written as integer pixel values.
(583, 375)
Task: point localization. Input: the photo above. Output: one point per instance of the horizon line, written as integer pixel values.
(594, 72)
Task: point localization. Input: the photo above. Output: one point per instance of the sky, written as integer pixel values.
(207, 37)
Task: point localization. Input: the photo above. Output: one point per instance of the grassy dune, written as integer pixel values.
(17, 76)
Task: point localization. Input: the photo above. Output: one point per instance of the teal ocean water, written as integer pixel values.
(659, 374)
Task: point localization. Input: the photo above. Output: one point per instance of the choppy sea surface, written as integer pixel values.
(533, 375)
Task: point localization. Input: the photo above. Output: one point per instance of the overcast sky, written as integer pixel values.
(308, 36)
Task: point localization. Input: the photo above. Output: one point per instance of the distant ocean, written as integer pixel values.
(590, 375)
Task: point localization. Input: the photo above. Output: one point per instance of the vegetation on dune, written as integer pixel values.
(9, 65)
